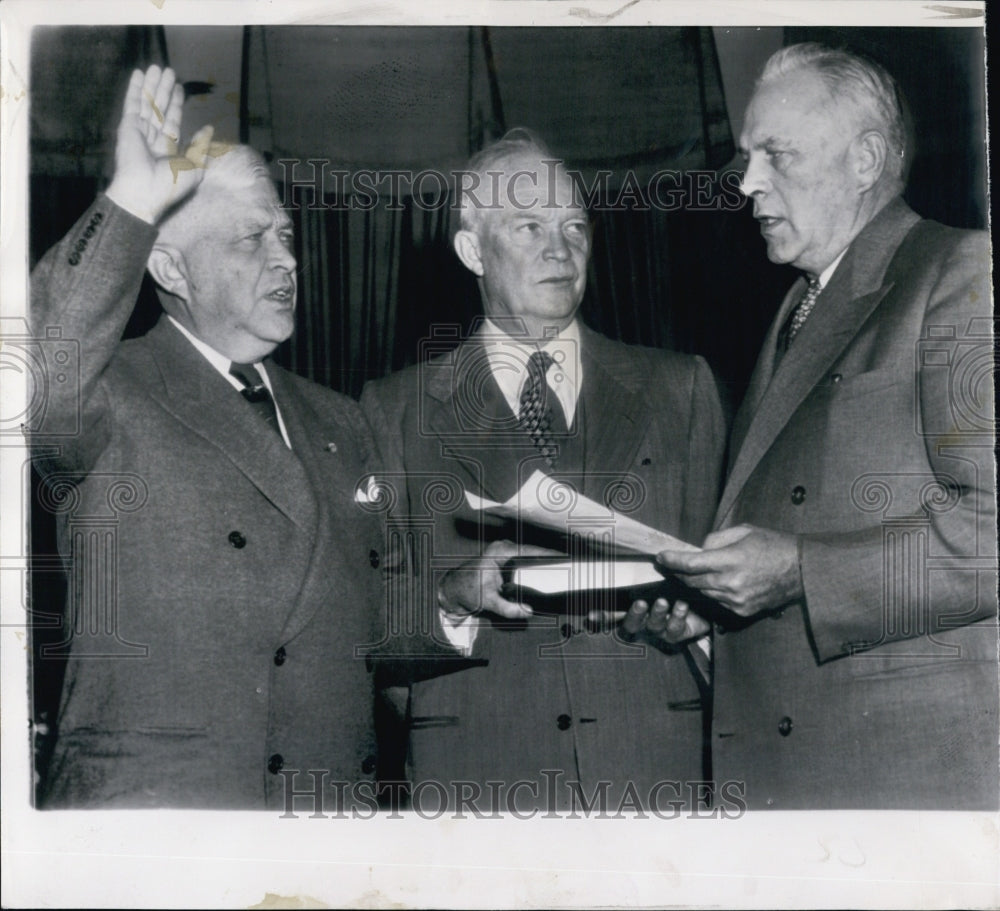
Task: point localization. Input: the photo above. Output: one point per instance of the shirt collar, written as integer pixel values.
(508, 358)
(219, 361)
(827, 273)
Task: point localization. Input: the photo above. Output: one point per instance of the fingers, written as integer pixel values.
(172, 118)
(133, 95)
(198, 149)
(676, 627)
(635, 619)
(687, 562)
(512, 610)
(162, 94)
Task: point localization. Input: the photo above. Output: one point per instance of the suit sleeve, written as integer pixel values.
(845, 576)
(419, 647)
(82, 292)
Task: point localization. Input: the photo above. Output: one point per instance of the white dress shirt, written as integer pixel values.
(222, 363)
(508, 358)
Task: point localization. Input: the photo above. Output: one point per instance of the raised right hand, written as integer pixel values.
(150, 174)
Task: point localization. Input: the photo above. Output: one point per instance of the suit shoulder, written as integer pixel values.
(320, 397)
(931, 243)
(395, 385)
(638, 364)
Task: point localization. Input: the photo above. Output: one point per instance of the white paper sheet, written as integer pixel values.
(549, 503)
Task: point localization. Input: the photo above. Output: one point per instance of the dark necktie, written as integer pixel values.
(535, 415)
(799, 315)
(257, 394)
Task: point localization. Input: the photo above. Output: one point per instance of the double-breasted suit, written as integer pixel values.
(553, 693)
(213, 622)
(872, 439)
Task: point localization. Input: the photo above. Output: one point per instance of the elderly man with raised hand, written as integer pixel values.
(241, 575)
(545, 710)
(854, 561)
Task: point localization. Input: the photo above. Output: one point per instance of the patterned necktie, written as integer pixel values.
(801, 312)
(535, 415)
(257, 394)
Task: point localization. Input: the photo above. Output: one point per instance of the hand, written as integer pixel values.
(663, 625)
(150, 176)
(475, 586)
(745, 569)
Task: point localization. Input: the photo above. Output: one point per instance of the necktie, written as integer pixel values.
(535, 415)
(801, 312)
(256, 393)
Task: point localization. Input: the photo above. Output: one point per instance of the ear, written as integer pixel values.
(467, 247)
(166, 265)
(870, 154)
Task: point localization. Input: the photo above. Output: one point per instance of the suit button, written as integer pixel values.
(275, 763)
(237, 539)
(279, 656)
(368, 765)
(836, 378)
(564, 722)
(647, 461)
(373, 558)
(567, 630)
(778, 614)
(720, 630)
(798, 495)
(785, 726)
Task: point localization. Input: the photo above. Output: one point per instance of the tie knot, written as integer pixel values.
(247, 374)
(538, 365)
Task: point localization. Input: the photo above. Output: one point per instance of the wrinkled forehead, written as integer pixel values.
(233, 207)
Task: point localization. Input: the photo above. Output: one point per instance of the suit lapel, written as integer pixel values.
(853, 294)
(331, 495)
(764, 369)
(473, 423)
(614, 413)
(197, 396)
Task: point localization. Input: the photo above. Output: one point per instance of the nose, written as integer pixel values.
(556, 246)
(754, 179)
(279, 256)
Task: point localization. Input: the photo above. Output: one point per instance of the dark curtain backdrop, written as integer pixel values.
(374, 285)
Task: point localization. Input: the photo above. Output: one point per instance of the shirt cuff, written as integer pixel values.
(460, 632)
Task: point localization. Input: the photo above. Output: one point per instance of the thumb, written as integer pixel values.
(198, 149)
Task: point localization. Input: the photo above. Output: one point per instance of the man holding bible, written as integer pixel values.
(854, 561)
(551, 702)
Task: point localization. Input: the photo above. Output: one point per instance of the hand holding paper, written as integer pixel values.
(552, 504)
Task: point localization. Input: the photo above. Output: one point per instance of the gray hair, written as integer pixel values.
(873, 92)
(517, 143)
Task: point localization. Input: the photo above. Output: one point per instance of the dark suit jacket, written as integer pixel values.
(551, 694)
(873, 440)
(219, 582)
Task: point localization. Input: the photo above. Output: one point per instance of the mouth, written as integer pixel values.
(768, 222)
(283, 296)
(558, 280)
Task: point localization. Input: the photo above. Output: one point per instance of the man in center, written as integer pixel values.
(545, 707)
